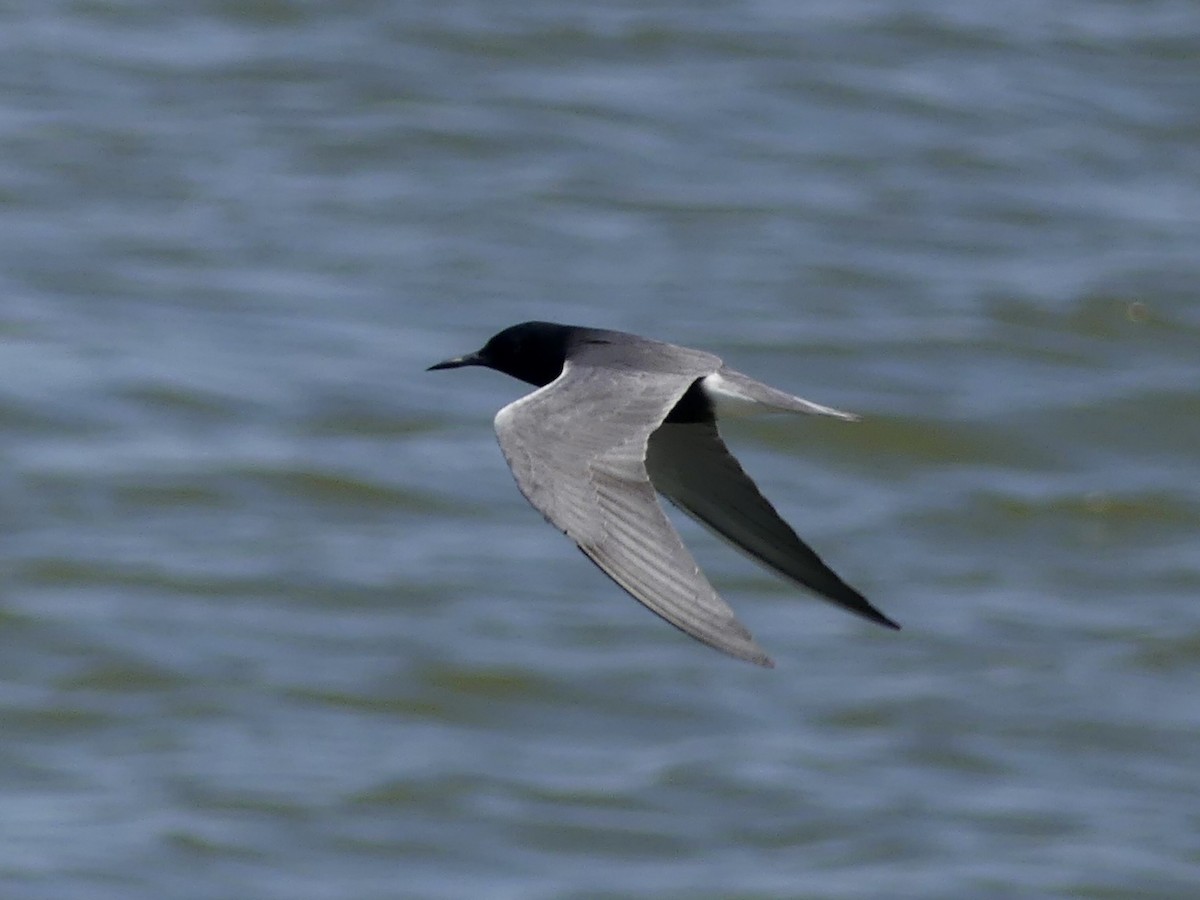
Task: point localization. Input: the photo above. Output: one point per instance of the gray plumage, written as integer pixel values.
(626, 417)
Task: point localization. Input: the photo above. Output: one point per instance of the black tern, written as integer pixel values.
(616, 417)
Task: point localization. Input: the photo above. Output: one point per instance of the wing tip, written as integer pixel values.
(741, 646)
(752, 654)
(852, 601)
(880, 619)
(856, 603)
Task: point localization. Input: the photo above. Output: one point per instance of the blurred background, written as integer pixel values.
(274, 620)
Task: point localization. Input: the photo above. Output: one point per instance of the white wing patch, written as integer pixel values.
(734, 395)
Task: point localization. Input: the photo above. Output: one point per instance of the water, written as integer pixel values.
(275, 623)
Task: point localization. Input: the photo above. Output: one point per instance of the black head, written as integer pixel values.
(534, 352)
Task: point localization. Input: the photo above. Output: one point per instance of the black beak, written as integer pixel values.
(471, 359)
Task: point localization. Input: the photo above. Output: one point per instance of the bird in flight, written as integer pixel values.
(616, 417)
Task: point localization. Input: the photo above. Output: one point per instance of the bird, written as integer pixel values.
(616, 418)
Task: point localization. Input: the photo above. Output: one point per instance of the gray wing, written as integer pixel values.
(690, 464)
(577, 450)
